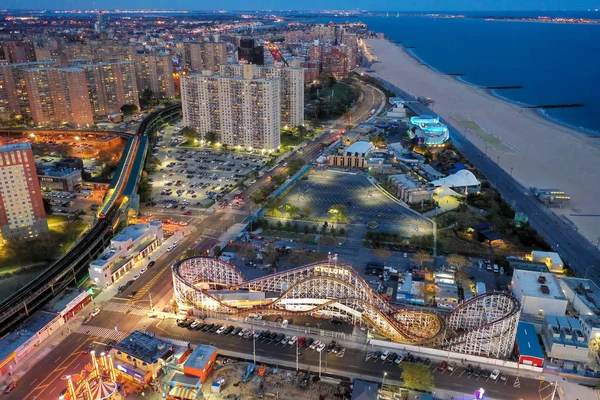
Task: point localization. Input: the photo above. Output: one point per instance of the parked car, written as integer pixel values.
(392, 357)
(194, 324)
(452, 366)
(503, 377)
(6, 389)
(151, 264)
(95, 312)
(443, 365)
(315, 344)
(221, 330)
(321, 347)
(384, 355)
(399, 359)
(376, 355)
(293, 340)
(495, 374)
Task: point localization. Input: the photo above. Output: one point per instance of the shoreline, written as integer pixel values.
(492, 92)
(542, 152)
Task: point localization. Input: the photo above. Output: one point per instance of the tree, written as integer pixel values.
(457, 260)
(307, 212)
(146, 97)
(294, 166)
(422, 257)
(129, 109)
(339, 213)
(189, 134)
(301, 131)
(292, 210)
(417, 377)
(383, 253)
(273, 203)
(47, 206)
(210, 137)
(144, 188)
(278, 179)
(217, 251)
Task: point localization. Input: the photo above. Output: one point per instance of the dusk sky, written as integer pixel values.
(392, 5)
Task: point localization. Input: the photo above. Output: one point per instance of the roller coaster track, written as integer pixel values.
(484, 325)
(74, 263)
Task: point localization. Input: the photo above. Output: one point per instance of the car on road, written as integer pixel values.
(452, 366)
(236, 331)
(142, 271)
(321, 347)
(88, 348)
(229, 329)
(495, 374)
(247, 335)
(109, 346)
(135, 277)
(384, 355)
(443, 365)
(151, 264)
(243, 332)
(121, 289)
(95, 312)
(215, 328)
(132, 294)
(6, 389)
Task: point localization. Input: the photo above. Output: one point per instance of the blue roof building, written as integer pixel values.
(528, 346)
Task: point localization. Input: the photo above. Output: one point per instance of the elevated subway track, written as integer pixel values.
(72, 267)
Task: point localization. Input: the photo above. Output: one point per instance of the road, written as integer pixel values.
(574, 249)
(44, 380)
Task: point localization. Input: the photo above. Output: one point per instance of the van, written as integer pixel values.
(496, 268)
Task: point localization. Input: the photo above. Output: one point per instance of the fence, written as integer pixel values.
(421, 351)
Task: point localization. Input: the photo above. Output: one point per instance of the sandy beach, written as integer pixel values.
(540, 152)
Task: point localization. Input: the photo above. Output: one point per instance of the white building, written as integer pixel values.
(291, 88)
(552, 260)
(564, 339)
(243, 111)
(133, 244)
(540, 294)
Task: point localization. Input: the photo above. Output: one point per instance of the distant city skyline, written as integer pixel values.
(382, 5)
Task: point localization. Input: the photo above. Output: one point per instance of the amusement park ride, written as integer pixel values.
(97, 381)
(484, 325)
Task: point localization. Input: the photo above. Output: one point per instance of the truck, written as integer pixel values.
(479, 288)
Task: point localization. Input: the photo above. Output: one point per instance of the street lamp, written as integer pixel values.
(383, 381)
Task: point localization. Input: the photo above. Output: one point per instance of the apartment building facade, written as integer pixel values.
(154, 71)
(242, 110)
(22, 213)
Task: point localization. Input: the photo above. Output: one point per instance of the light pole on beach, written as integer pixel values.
(498, 160)
(511, 170)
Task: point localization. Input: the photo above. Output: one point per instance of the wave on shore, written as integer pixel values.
(541, 112)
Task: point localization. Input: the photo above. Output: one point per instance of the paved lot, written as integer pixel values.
(365, 203)
(193, 178)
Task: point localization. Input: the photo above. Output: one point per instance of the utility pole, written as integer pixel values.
(296, 355)
(253, 341)
(319, 364)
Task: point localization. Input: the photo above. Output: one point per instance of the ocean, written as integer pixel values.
(555, 63)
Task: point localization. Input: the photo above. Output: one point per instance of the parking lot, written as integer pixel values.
(192, 178)
(454, 375)
(365, 203)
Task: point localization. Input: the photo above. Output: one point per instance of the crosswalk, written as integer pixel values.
(125, 308)
(106, 333)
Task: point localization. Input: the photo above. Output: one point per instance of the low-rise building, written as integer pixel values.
(18, 344)
(349, 138)
(201, 362)
(133, 244)
(527, 345)
(540, 294)
(409, 189)
(59, 179)
(583, 294)
(564, 339)
(527, 265)
(551, 259)
(141, 356)
(353, 156)
(409, 291)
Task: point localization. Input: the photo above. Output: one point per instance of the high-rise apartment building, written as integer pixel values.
(110, 86)
(155, 72)
(17, 52)
(250, 52)
(242, 110)
(291, 86)
(198, 56)
(59, 95)
(13, 90)
(21, 207)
